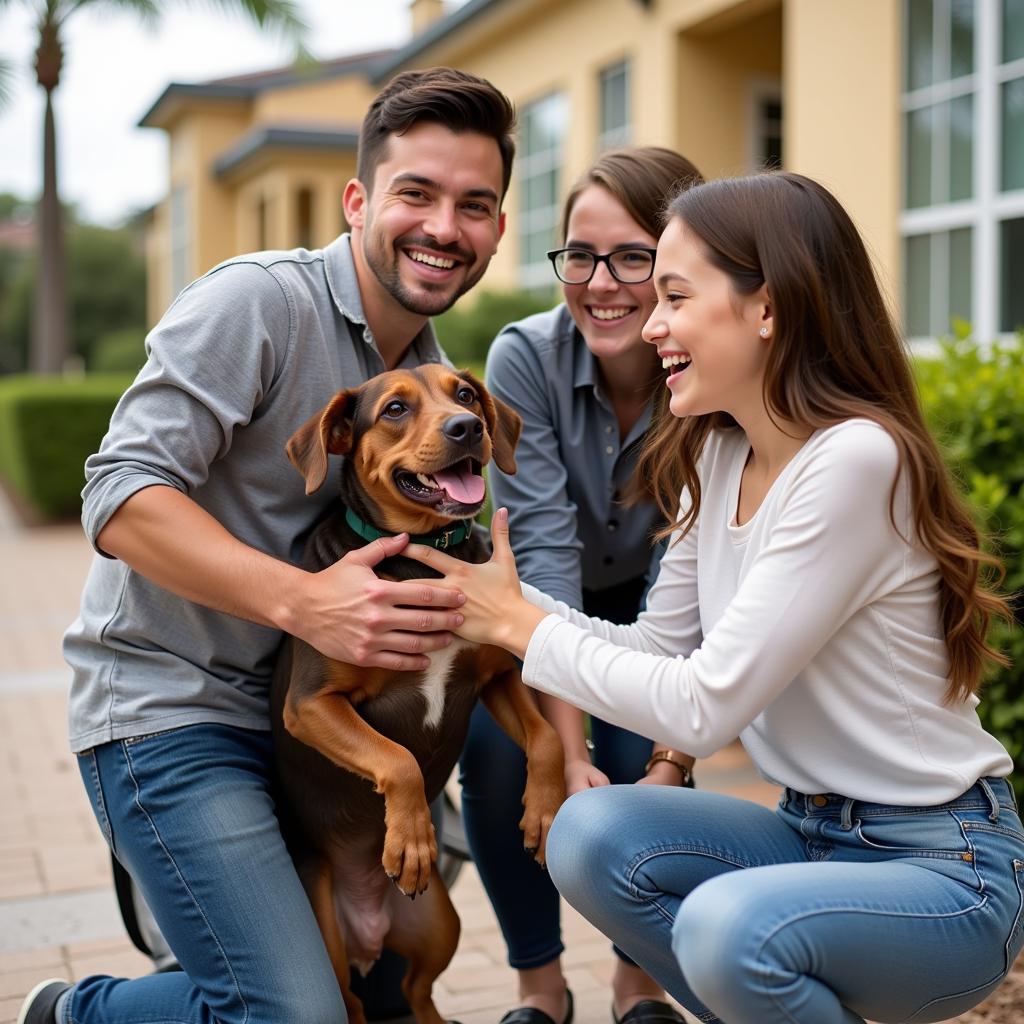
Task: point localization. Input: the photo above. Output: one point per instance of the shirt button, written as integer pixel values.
(608, 430)
(609, 450)
(819, 801)
(613, 525)
(608, 560)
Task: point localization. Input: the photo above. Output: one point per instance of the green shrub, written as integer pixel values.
(974, 403)
(466, 333)
(48, 427)
(121, 351)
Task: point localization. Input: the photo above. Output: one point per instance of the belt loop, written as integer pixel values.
(846, 818)
(992, 801)
(784, 799)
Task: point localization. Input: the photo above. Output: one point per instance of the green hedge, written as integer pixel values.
(974, 403)
(48, 427)
(466, 331)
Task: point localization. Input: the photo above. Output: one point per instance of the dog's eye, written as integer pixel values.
(393, 410)
(467, 396)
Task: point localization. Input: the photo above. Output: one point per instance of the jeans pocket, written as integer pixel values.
(90, 771)
(927, 838)
(1015, 942)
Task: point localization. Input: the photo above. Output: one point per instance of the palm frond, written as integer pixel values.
(6, 79)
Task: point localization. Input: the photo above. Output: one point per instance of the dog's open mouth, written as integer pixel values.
(456, 490)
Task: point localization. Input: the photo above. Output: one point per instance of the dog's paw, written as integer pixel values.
(410, 848)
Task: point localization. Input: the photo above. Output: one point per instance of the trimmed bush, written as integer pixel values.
(974, 402)
(466, 332)
(48, 427)
(121, 351)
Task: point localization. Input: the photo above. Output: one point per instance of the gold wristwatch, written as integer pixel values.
(673, 758)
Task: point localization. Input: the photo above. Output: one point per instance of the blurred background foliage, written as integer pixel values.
(107, 279)
(973, 398)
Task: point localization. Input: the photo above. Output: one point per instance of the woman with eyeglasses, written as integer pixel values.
(584, 382)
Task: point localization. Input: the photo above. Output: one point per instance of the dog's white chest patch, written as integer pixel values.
(436, 679)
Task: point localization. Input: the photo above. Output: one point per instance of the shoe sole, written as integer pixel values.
(33, 995)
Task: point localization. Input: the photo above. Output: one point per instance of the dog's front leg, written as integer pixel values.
(329, 723)
(511, 703)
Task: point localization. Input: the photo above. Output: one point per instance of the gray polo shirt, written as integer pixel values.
(568, 525)
(243, 357)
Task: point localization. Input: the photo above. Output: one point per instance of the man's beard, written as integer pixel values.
(423, 301)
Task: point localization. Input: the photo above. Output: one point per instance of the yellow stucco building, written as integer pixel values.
(911, 111)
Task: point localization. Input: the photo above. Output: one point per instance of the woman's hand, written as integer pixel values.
(495, 611)
(581, 774)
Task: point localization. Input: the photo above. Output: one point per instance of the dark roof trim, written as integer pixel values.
(278, 138)
(185, 90)
(245, 87)
(430, 35)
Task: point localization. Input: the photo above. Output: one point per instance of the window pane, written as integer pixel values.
(919, 43)
(1013, 134)
(961, 42)
(1013, 29)
(1011, 315)
(917, 278)
(960, 276)
(961, 127)
(614, 98)
(919, 127)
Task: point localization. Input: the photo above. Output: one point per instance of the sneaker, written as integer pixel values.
(41, 1003)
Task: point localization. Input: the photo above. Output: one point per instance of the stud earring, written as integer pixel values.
(763, 332)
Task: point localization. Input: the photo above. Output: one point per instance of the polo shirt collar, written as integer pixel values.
(344, 287)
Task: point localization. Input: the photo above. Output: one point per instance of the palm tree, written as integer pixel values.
(50, 323)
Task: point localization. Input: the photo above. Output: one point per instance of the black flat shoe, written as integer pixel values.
(41, 1003)
(649, 1011)
(531, 1015)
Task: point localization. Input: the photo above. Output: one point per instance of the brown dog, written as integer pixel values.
(361, 753)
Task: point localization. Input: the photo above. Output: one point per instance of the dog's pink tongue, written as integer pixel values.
(462, 484)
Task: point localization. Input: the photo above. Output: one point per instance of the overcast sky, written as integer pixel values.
(115, 68)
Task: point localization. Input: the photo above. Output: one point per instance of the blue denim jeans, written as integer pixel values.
(190, 814)
(824, 911)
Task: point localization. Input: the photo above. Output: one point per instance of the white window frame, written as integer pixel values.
(988, 207)
(528, 165)
(620, 135)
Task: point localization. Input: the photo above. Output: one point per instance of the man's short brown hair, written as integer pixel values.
(457, 100)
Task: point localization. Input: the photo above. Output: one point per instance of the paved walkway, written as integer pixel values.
(58, 916)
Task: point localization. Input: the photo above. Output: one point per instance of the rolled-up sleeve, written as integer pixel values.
(210, 361)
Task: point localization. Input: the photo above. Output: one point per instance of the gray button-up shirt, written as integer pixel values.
(569, 527)
(243, 357)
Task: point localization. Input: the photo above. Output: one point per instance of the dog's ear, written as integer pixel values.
(504, 425)
(329, 431)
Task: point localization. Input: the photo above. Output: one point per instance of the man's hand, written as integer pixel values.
(350, 615)
(344, 611)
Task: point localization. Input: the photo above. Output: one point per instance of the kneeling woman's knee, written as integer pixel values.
(711, 938)
(584, 843)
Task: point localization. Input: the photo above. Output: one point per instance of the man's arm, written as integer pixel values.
(344, 611)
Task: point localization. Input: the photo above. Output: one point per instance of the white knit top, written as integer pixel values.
(812, 632)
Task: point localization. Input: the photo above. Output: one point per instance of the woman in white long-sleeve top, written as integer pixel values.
(825, 598)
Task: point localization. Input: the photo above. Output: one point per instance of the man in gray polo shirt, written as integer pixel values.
(198, 521)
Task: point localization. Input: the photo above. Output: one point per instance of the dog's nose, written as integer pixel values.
(465, 429)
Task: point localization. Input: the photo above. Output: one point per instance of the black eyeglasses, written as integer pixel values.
(627, 266)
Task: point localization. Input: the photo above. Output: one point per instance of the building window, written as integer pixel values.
(963, 165)
(180, 255)
(615, 129)
(539, 166)
(765, 139)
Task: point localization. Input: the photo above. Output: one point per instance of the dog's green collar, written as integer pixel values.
(446, 538)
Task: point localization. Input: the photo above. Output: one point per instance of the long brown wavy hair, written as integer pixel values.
(835, 354)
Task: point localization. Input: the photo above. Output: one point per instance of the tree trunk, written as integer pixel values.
(50, 323)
